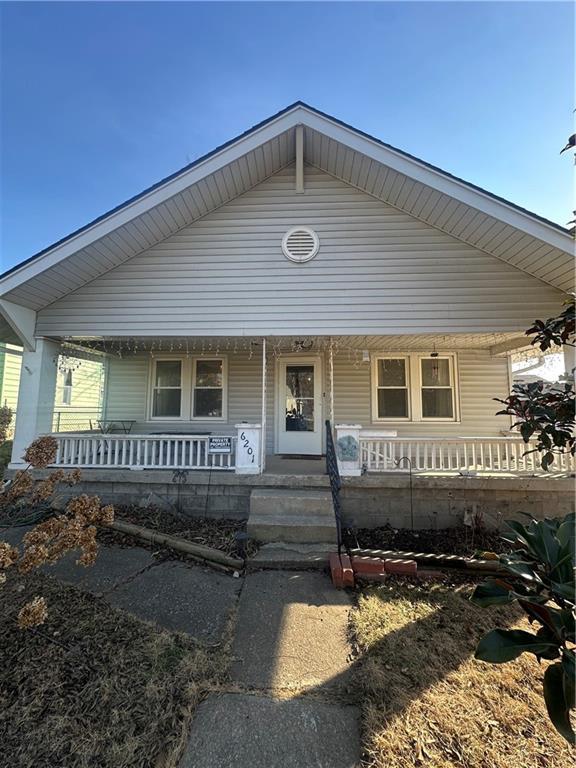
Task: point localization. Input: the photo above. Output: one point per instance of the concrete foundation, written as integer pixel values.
(367, 502)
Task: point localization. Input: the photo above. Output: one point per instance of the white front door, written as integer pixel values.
(299, 405)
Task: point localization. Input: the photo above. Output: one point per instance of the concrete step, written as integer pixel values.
(286, 556)
(288, 502)
(295, 516)
(295, 528)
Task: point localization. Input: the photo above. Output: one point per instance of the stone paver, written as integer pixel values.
(241, 731)
(113, 566)
(291, 631)
(180, 598)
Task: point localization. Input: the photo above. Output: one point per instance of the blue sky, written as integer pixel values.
(100, 100)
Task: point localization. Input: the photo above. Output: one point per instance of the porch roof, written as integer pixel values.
(498, 343)
(475, 216)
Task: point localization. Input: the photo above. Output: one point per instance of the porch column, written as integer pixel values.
(263, 420)
(249, 449)
(348, 449)
(35, 396)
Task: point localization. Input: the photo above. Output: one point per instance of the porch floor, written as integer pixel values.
(281, 465)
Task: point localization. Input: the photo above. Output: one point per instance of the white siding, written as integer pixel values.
(127, 395)
(481, 377)
(378, 271)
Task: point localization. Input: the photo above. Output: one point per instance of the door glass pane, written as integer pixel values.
(208, 403)
(166, 402)
(392, 403)
(437, 404)
(209, 373)
(392, 373)
(168, 373)
(435, 372)
(299, 398)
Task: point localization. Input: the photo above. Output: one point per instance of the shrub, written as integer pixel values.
(541, 580)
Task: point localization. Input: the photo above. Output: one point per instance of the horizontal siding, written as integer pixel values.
(87, 387)
(10, 380)
(378, 271)
(481, 376)
(127, 395)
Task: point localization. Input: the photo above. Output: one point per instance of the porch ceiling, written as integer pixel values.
(498, 227)
(285, 344)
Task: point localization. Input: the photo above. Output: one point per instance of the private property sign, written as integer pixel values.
(220, 445)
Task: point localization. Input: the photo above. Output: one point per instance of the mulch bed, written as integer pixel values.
(450, 541)
(224, 534)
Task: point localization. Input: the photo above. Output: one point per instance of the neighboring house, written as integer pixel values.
(79, 394)
(303, 271)
(79, 388)
(10, 363)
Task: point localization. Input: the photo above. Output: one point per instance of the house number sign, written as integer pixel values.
(248, 447)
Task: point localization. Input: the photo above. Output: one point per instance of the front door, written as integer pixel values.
(300, 406)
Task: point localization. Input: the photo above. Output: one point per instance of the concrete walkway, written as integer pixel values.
(290, 668)
(283, 707)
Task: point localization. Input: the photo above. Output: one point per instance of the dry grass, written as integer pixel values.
(120, 693)
(427, 702)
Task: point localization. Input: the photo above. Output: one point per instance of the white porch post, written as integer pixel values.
(348, 449)
(35, 396)
(249, 449)
(263, 419)
(331, 382)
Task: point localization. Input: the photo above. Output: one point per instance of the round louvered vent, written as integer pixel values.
(300, 244)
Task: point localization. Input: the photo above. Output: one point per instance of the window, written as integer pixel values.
(167, 389)
(208, 386)
(67, 388)
(392, 388)
(414, 387)
(437, 389)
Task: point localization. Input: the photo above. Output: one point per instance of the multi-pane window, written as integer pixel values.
(392, 388)
(167, 389)
(414, 387)
(208, 386)
(437, 388)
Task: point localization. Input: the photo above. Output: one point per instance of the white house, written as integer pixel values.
(303, 271)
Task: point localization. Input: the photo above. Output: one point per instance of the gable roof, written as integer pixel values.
(488, 222)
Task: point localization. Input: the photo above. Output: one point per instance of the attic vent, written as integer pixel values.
(300, 244)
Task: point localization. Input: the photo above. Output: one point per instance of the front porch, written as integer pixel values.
(503, 456)
(251, 405)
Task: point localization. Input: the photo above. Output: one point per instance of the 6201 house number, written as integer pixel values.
(247, 446)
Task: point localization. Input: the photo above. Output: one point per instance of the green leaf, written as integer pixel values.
(557, 703)
(490, 593)
(501, 645)
(569, 681)
(566, 591)
(520, 568)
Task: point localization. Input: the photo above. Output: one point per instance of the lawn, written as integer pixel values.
(427, 702)
(95, 686)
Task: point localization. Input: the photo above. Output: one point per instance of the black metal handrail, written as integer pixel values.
(335, 482)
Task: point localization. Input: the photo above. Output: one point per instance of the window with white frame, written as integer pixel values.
(167, 389)
(188, 388)
(392, 388)
(208, 389)
(414, 387)
(437, 387)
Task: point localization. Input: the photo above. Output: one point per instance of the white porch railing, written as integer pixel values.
(140, 452)
(455, 454)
